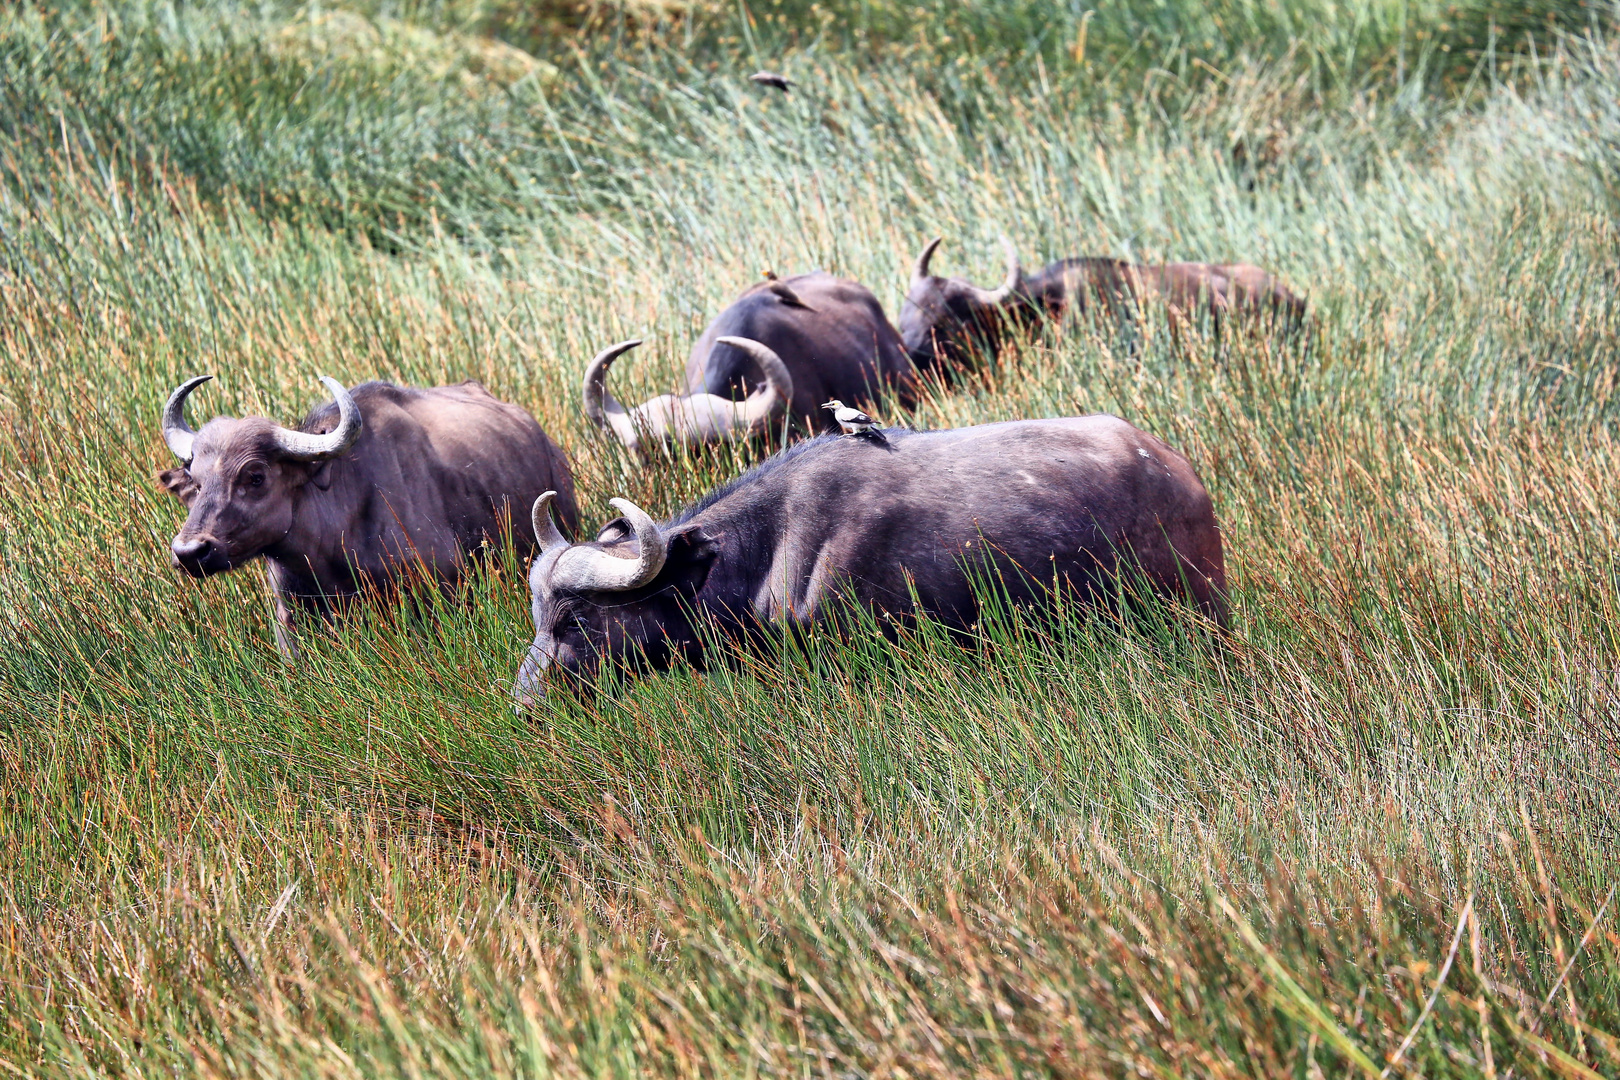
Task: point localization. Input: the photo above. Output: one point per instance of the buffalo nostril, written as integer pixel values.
(193, 550)
(196, 555)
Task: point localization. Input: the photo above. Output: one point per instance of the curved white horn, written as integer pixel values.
(546, 533)
(778, 392)
(588, 568)
(302, 446)
(920, 271)
(1000, 294)
(176, 432)
(600, 406)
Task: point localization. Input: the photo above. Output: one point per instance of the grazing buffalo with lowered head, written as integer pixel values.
(912, 520)
(381, 480)
(943, 319)
(783, 346)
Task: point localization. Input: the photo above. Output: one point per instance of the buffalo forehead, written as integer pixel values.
(545, 566)
(541, 570)
(224, 442)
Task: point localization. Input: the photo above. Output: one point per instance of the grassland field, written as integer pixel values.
(1375, 836)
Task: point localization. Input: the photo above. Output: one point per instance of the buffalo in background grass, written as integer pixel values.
(781, 348)
(944, 319)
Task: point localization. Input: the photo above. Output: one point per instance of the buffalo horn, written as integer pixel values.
(175, 430)
(600, 406)
(778, 383)
(588, 568)
(990, 297)
(545, 527)
(919, 273)
(302, 446)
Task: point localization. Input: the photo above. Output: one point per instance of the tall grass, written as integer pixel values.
(1375, 832)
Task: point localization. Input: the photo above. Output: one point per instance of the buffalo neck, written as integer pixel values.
(747, 522)
(728, 593)
(328, 540)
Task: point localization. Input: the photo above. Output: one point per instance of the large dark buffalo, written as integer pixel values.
(822, 337)
(943, 319)
(1025, 502)
(378, 481)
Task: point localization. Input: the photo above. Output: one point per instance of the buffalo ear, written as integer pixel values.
(613, 531)
(178, 482)
(321, 475)
(689, 558)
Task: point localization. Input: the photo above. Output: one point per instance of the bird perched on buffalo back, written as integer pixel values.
(780, 290)
(853, 421)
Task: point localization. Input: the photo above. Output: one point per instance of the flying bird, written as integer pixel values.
(771, 78)
(853, 421)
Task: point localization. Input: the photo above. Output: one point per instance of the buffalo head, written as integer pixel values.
(940, 315)
(240, 479)
(626, 597)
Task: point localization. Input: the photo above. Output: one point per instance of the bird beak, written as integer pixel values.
(830, 405)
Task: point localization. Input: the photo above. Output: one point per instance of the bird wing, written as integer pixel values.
(786, 295)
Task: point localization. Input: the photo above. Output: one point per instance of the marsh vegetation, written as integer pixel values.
(1377, 832)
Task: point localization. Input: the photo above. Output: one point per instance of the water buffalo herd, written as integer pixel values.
(386, 482)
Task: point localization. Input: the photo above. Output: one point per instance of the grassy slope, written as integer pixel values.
(1085, 854)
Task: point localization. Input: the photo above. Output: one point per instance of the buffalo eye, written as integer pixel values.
(255, 479)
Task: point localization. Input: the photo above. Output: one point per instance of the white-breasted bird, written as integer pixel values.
(853, 421)
(771, 78)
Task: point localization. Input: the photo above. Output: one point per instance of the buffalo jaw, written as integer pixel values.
(691, 418)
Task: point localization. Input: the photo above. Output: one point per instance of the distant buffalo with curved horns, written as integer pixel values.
(1024, 503)
(943, 318)
(822, 337)
(382, 479)
(940, 317)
